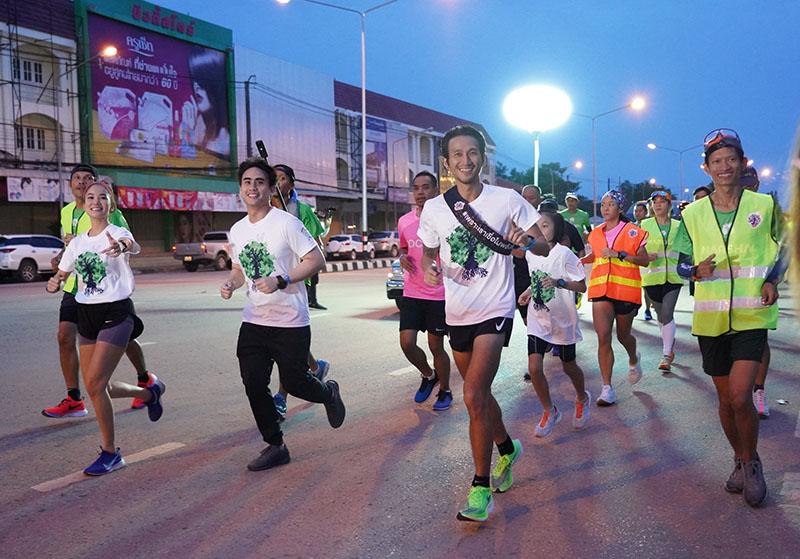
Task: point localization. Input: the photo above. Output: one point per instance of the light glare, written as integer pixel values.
(110, 51)
(652, 146)
(537, 108)
(766, 171)
(579, 164)
(637, 104)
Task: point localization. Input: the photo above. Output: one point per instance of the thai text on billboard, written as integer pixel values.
(160, 102)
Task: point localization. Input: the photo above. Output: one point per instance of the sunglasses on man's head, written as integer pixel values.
(719, 135)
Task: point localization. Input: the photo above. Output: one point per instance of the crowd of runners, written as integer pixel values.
(471, 257)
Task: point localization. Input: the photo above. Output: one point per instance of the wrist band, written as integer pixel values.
(530, 246)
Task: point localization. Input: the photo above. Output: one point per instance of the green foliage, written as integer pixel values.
(256, 260)
(468, 252)
(92, 270)
(539, 295)
(552, 179)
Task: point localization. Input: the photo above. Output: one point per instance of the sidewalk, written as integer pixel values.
(165, 262)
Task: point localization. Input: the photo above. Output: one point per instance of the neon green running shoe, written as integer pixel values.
(479, 505)
(501, 476)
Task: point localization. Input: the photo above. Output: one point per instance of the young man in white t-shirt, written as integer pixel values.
(423, 305)
(479, 299)
(272, 255)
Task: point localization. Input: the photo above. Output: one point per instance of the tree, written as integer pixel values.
(539, 295)
(468, 252)
(551, 179)
(256, 260)
(92, 270)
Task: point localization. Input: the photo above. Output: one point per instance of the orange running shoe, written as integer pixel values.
(67, 408)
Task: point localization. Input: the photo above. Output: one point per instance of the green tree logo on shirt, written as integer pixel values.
(256, 260)
(540, 295)
(92, 270)
(468, 252)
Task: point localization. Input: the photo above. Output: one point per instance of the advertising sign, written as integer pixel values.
(25, 189)
(179, 200)
(161, 102)
(377, 157)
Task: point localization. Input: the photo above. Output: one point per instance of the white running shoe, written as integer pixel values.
(545, 427)
(581, 415)
(760, 402)
(635, 371)
(607, 396)
(666, 364)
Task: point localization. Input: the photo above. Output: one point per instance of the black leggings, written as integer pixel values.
(257, 349)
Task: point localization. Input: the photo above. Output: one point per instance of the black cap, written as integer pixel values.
(285, 169)
(548, 204)
(86, 168)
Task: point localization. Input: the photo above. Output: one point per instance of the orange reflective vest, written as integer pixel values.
(612, 277)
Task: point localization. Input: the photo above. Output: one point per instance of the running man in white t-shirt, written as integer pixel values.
(479, 299)
(272, 255)
(553, 321)
(422, 308)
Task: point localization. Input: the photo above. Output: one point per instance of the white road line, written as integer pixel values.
(797, 428)
(148, 343)
(133, 458)
(403, 371)
(317, 315)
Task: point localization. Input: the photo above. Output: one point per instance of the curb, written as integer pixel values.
(357, 265)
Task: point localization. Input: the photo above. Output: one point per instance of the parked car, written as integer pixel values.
(394, 285)
(215, 249)
(347, 246)
(386, 242)
(27, 256)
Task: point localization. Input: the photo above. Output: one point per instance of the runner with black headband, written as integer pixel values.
(728, 242)
(106, 319)
(660, 279)
(73, 222)
(472, 228)
(615, 288)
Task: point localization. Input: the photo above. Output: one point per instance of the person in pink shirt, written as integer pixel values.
(423, 304)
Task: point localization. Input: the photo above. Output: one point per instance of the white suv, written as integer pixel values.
(386, 242)
(28, 255)
(347, 246)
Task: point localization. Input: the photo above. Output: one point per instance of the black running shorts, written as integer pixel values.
(720, 352)
(462, 337)
(423, 315)
(537, 345)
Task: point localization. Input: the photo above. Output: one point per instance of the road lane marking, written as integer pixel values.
(797, 428)
(317, 315)
(132, 459)
(148, 343)
(403, 371)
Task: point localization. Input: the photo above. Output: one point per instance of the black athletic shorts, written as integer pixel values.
(537, 345)
(462, 337)
(99, 316)
(620, 307)
(720, 352)
(423, 315)
(69, 309)
(657, 292)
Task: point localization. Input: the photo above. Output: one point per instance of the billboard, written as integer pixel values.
(161, 102)
(25, 189)
(377, 156)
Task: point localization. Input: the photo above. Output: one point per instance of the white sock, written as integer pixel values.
(668, 336)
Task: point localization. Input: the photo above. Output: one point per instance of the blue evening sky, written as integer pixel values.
(699, 64)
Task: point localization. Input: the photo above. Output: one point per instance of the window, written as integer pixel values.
(18, 135)
(15, 68)
(27, 70)
(425, 151)
(410, 148)
(29, 134)
(37, 72)
(30, 138)
(40, 139)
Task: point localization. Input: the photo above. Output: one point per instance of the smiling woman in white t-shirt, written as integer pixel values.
(106, 321)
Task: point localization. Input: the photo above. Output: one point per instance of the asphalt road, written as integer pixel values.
(643, 479)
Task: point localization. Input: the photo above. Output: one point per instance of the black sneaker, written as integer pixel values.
(273, 455)
(755, 488)
(316, 305)
(335, 408)
(426, 388)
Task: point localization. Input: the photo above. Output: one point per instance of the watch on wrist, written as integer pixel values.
(561, 283)
(282, 282)
(622, 254)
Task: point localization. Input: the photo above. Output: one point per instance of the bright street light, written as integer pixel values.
(680, 153)
(537, 108)
(363, 106)
(766, 171)
(578, 164)
(110, 51)
(637, 104)
(652, 181)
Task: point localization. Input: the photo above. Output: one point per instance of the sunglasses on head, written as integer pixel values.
(662, 193)
(720, 134)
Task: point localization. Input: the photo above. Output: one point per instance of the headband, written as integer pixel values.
(108, 188)
(615, 195)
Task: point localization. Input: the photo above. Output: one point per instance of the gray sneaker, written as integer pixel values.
(273, 455)
(335, 408)
(735, 483)
(755, 488)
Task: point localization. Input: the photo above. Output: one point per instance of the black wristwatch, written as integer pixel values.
(282, 283)
(561, 283)
(622, 254)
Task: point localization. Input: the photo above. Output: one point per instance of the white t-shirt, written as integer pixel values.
(271, 247)
(552, 315)
(101, 278)
(478, 282)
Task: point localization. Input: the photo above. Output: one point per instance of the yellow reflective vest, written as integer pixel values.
(664, 269)
(730, 300)
(75, 224)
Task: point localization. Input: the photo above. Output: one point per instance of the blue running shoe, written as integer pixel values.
(648, 315)
(154, 408)
(443, 400)
(105, 464)
(322, 369)
(425, 388)
(280, 406)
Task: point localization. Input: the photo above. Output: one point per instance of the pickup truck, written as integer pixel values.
(215, 249)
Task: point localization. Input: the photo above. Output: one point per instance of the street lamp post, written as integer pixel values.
(537, 108)
(680, 153)
(363, 105)
(637, 104)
